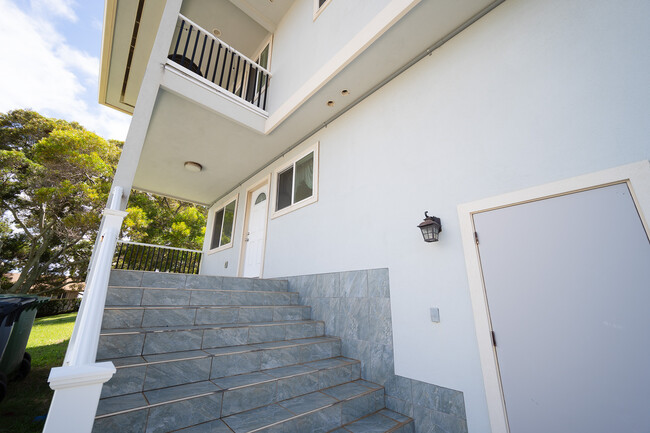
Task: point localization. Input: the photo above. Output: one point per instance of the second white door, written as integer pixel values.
(254, 239)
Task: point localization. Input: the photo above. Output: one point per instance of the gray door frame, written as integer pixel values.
(637, 178)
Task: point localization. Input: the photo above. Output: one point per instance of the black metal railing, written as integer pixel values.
(135, 256)
(206, 55)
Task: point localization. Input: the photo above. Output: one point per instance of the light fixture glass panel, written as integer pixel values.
(304, 178)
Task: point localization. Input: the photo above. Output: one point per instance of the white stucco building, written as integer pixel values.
(523, 125)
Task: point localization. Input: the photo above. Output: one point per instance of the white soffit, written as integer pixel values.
(267, 13)
(181, 130)
(237, 28)
(117, 88)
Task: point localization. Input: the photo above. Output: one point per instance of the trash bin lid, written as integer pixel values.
(12, 306)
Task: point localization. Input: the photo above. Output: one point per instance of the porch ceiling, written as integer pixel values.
(181, 130)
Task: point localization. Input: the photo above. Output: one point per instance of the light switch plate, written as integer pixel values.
(435, 314)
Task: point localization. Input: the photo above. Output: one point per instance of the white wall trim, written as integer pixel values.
(210, 224)
(274, 179)
(384, 20)
(637, 177)
(319, 10)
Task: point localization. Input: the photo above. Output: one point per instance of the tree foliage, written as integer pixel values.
(55, 177)
(159, 220)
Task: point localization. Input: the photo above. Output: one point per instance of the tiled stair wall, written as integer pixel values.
(356, 307)
(199, 354)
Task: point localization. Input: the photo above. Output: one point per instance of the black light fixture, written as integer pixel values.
(430, 227)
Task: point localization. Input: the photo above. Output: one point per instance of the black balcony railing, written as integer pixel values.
(145, 257)
(204, 54)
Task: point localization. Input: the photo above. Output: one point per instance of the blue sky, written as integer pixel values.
(50, 62)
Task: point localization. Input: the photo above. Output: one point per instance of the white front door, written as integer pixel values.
(567, 282)
(254, 239)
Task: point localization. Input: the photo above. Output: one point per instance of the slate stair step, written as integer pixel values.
(121, 343)
(319, 411)
(187, 281)
(382, 421)
(149, 296)
(148, 372)
(295, 392)
(136, 317)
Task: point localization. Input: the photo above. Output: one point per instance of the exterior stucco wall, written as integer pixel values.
(355, 306)
(302, 45)
(534, 92)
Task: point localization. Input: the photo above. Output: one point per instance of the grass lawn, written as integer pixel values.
(30, 398)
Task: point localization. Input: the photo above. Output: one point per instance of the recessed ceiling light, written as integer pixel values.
(330, 103)
(345, 92)
(216, 32)
(192, 166)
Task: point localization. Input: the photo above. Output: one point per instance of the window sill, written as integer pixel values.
(221, 248)
(295, 206)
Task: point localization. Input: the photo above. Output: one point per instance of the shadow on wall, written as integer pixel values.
(355, 306)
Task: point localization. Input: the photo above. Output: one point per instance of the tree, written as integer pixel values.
(54, 182)
(163, 221)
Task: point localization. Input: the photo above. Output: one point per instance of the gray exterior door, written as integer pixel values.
(567, 281)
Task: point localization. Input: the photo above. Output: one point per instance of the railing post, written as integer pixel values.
(77, 384)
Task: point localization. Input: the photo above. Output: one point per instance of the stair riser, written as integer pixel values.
(153, 376)
(163, 418)
(177, 415)
(116, 318)
(159, 279)
(124, 345)
(247, 398)
(133, 296)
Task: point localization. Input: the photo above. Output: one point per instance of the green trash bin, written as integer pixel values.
(14, 359)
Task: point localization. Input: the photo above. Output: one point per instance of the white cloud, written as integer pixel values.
(60, 8)
(43, 72)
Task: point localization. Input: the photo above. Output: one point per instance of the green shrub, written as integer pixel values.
(58, 306)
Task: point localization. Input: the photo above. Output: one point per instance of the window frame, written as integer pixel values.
(319, 9)
(314, 148)
(214, 213)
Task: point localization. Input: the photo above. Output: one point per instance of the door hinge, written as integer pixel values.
(494, 339)
(476, 238)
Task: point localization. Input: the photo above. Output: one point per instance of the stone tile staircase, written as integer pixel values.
(198, 354)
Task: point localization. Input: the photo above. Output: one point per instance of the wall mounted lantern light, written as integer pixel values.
(430, 227)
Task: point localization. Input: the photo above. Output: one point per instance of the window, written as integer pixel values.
(319, 6)
(296, 183)
(223, 225)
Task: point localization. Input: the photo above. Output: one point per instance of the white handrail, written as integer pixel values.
(159, 246)
(228, 47)
(83, 345)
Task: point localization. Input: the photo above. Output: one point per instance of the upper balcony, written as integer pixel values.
(215, 63)
(244, 80)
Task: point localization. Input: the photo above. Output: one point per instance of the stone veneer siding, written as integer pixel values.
(356, 307)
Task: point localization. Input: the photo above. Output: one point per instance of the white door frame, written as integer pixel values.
(247, 211)
(637, 177)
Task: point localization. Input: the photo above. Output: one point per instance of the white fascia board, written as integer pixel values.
(110, 11)
(211, 97)
(384, 20)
